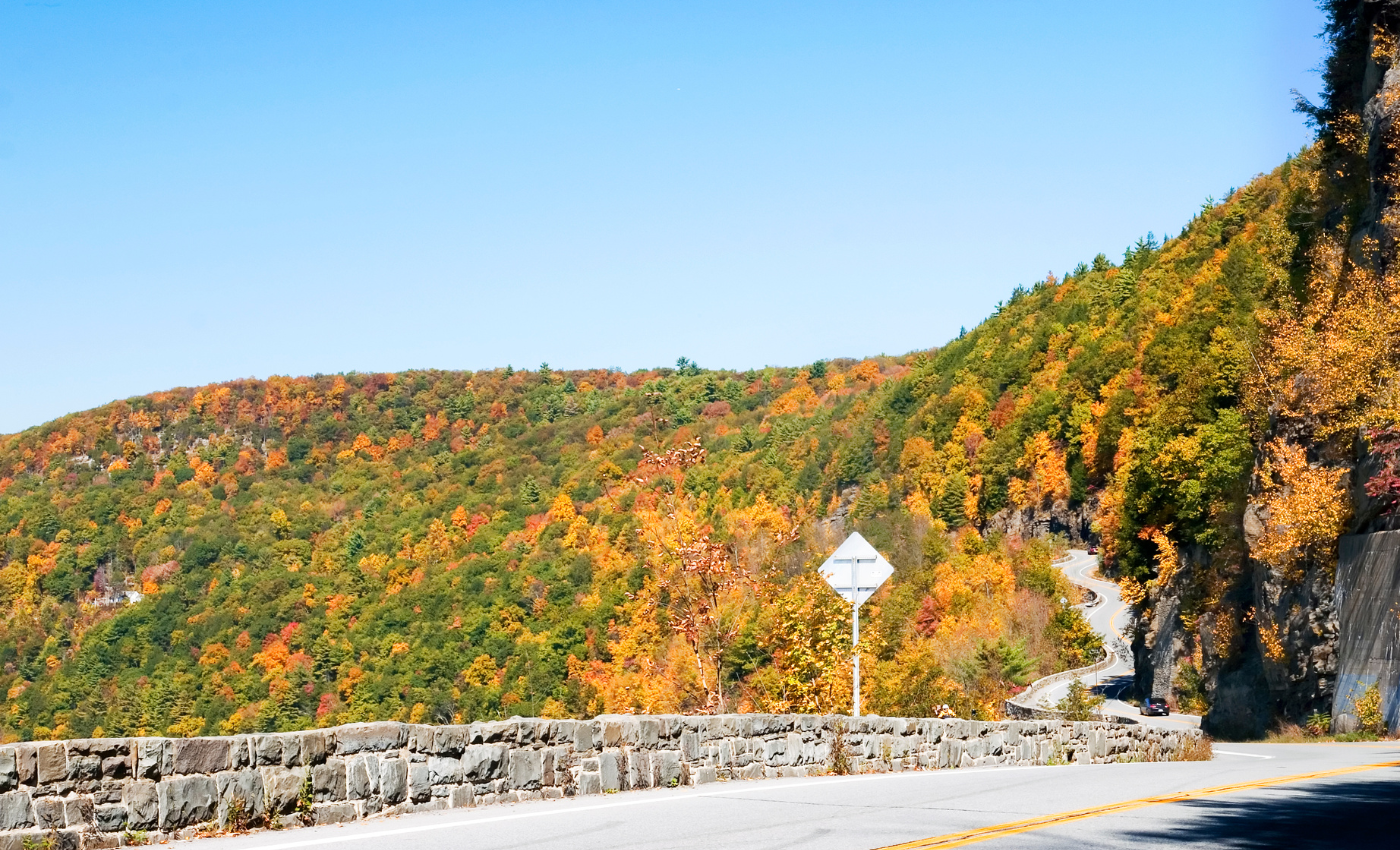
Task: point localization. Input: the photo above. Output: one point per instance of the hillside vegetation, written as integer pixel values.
(448, 545)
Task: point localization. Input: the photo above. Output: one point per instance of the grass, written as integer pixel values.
(1195, 748)
(1292, 733)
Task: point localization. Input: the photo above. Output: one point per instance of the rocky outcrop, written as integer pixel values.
(90, 793)
(1073, 521)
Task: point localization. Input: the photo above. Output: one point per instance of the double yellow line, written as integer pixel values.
(973, 836)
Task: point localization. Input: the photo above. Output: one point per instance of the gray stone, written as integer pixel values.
(311, 747)
(57, 840)
(370, 737)
(111, 818)
(241, 752)
(443, 770)
(450, 740)
(528, 732)
(85, 767)
(48, 813)
(553, 757)
(526, 769)
(325, 813)
(774, 751)
(483, 762)
(419, 788)
(562, 731)
(1099, 743)
(393, 780)
(291, 750)
(151, 757)
(9, 769)
(27, 763)
(589, 782)
(186, 801)
(609, 771)
(371, 762)
(53, 763)
(101, 747)
(500, 731)
(116, 767)
(142, 800)
(638, 769)
(612, 731)
(668, 768)
(16, 811)
(358, 783)
(583, 737)
(282, 788)
(690, 745)
(77, 811)
(267, 749)
(200, 755)
(246, 786)
(461, 796)
(328, 780)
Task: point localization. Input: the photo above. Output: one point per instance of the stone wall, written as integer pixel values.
(93, 793)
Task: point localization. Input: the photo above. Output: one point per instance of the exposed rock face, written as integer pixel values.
(365, 770)
(1073, 521)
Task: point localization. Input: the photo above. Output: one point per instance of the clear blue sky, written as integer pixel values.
(193, 192)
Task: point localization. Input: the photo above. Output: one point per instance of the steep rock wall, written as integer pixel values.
(1073, 521)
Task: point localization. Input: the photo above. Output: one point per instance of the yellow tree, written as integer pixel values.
(707, 595)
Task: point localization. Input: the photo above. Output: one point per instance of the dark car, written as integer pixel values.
(1154, 706)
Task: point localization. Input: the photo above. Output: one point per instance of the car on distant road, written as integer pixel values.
(1154, 707)
(1093, 550)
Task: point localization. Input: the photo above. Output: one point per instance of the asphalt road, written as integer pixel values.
(1107, 617)
(1044, 807)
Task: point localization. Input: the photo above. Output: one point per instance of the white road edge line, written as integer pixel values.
(1246, 755)
(468, 822)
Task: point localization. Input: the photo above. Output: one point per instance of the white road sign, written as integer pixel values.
(855, 570)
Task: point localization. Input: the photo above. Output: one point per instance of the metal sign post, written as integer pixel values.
(855, 571)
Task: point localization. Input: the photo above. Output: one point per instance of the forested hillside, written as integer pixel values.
(450, 545)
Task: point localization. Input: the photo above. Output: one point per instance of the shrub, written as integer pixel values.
(1195, 748)
(1079, 703)
(1319, 723)
(1367, 709)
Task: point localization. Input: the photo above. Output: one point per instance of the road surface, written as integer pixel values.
(1295, 796)
(1107, 617)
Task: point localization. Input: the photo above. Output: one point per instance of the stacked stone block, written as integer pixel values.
(102, 792)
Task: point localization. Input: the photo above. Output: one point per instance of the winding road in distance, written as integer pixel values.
(1107, 617)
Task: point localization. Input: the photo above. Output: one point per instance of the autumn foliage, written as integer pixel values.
(446, 546)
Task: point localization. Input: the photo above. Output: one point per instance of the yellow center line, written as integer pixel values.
(958, 839)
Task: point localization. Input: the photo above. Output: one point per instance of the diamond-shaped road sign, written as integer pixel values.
(855, 570)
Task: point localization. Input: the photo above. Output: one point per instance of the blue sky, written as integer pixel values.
(194, 192)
